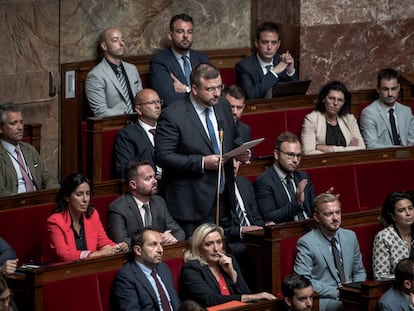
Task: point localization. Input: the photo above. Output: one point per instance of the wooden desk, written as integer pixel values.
(28, 283)
(364, 298)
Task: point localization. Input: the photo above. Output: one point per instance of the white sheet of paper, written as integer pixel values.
(247, 145)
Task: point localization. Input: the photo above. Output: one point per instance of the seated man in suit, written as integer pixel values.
(170, 69)
(8, 260)
(284, 193)
(329, 256)
(145, 283)
(140, 207)
(297, 292)
(21, 168)
(401, 296)
(112, 84)
(136, 140)
(235, 95)
(386, 122)
(260, 71)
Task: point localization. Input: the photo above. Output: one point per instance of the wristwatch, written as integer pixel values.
(187, 89)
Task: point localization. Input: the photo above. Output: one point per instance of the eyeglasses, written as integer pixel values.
(291, 155)
(213, 88)
(153, 102)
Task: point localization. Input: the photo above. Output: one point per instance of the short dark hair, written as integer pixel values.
(294, 281)
(205, 71)
(387, 210)
(137, 238)
(9, 106)
(286, 137)
(404, 271)
(183, 17)
(69, 184)
(387, 74)
(267, 26)
(234, 91)
(131, 169)
(334, 86)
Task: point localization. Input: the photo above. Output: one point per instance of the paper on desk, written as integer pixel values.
(247, 145)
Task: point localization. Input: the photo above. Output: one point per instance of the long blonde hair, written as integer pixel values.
(193, 251)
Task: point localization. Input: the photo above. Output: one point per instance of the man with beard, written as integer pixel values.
(112, 84)
(187, 147)
(297, 292)
(170, 69)
(329, 256)
(140, 207)
(136, 140)
(145, 283)
(282, 192)
(386, 122)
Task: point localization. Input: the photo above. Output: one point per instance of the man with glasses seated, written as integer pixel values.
(136, 140)
(282, 192)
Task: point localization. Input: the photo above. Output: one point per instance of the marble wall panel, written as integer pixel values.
(353, 53)
(29, 51)
(145, 24)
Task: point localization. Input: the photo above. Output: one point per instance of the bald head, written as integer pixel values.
(148, 106)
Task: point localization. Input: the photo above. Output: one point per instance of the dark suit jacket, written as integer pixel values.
(180, 144)
(132, 290)
(244, 131)
(42, 178)
(132, 143)
(123, 218)
(6, 252)
(253, 214)
(273, 201)
(198, 283)
(164, 63)
(249, 75)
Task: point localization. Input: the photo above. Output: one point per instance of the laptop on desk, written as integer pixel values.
(289, 88)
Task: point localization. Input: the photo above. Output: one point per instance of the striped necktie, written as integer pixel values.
(124, 86)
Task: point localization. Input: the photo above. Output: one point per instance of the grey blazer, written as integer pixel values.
(123, 218)
(376, 128)
(314, 260)
(42, 178)
(104, 92)
(393, 300)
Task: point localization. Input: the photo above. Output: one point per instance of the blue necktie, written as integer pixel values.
(213, 140)
(187, 69)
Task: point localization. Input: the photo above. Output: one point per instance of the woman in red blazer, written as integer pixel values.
(74, 230)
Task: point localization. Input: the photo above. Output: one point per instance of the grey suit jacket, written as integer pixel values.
(314, 260)
(393, 300)
(104, 92)
(124, 219)
(42, 178)
(376, 127)
(133, 292)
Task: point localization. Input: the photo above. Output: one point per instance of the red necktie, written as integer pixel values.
(164, 300)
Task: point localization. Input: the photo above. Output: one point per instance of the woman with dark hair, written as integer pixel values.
(395, 241)
(209, 276)
(74, 230)
(331, 127)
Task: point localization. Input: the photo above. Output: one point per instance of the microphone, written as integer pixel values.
(220, 129)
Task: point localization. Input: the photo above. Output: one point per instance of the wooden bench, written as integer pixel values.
(365, 297)
(274, 248)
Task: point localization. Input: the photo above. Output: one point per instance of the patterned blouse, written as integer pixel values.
(389, 249)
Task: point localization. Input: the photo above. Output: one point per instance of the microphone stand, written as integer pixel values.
(221, 134)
